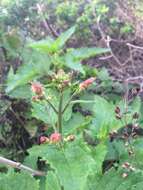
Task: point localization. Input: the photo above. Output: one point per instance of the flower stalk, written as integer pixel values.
(60, 114)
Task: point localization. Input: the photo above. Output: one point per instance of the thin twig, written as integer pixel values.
(60, 113)
(112, 53)
(53, 107)
(134, 46)
(126, 101)
(106, 57)
(46, 23)
(66, 106)
(20, 166)
(54, 33)
(135, 79)
(17, 117)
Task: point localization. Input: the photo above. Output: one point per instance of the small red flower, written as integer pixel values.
(37, 88)
(43, 139)
(126, 165)
(55, 137)
(86, 83)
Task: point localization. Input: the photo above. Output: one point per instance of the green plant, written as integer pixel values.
(90, 138)
(59, 90)
(55, 98)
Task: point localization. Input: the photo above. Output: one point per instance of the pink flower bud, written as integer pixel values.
(43, 139)
(126, 165)
(37, 88)
(86, 83)
(124, 175)
(55, 137)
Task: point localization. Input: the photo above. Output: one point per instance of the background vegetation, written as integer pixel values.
(71, 90)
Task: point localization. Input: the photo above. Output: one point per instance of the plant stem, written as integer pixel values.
(66, 106)
(60, 113)
(21, 166)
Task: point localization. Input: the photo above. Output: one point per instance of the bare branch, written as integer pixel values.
(45, 22)
(106, 57)
(20, 166)
(54, 32)
(134, 46)
(137, 79)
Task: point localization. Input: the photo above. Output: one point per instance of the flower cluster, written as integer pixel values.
(128, 167)
(54, 138)
(85, 84)
(38, 89)
(61, 79)
(44, 139)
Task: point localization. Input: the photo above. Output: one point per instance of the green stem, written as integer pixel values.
(60, 113)
(66, 106)
(55, 110)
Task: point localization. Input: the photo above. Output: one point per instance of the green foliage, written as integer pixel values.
(37, 66)
(87, 138)
(72, 163)
(76, 122)
(114, 180)
(70, 167)
(52, 46)
(126, 29)
(20, 181)
(103, 120)
(42, 111)
(52, 181)
(74, 57)
(12, 42)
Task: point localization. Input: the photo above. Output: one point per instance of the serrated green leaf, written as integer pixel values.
(85, 53)
(99, 155)
(42, 45)
(113, 180)
(24, 75)
(138, 186)
(74, 57)
(71, 63)
(61, 40)
(37, 66)
(21, 92)
(69, 165)
(77, 121)
(20, 181)
(35, 152)
(104, 117)
(52, 181)
(44, 112)
(52, 46)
